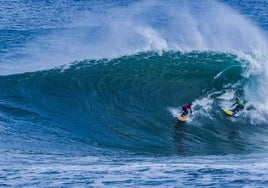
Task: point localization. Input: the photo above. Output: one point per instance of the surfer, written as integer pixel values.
(239, 105)
(185, 108)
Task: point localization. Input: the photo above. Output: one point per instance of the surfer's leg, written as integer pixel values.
(184, 112)
(236, 109)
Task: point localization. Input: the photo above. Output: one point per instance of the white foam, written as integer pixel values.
(175, 111)
(203, 106)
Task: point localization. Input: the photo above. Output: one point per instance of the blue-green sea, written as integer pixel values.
(91, 91)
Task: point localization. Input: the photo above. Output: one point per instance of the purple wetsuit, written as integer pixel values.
(186, 106)
(184, 109)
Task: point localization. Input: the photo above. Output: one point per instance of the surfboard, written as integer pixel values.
(183, 119)
(228, 112)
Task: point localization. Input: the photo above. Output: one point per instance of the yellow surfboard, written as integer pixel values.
(182, 118)
(228, 112)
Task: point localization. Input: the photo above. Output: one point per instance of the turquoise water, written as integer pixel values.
(91, 91)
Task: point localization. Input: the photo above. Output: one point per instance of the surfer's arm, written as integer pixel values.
(234, 104)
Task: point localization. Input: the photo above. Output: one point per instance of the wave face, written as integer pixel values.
(132, 102)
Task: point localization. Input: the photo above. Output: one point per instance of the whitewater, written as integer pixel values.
(91, 92)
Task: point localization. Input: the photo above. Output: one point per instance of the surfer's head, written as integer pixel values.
(237, 99)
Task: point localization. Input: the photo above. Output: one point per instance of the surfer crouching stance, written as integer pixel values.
(239, 105)
(185, 108)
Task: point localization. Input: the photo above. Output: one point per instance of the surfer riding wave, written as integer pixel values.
(185, 108)
(239, 105)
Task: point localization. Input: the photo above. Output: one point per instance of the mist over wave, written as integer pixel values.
(138, 27)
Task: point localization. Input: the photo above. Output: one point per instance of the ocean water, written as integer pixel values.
(91, 92)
